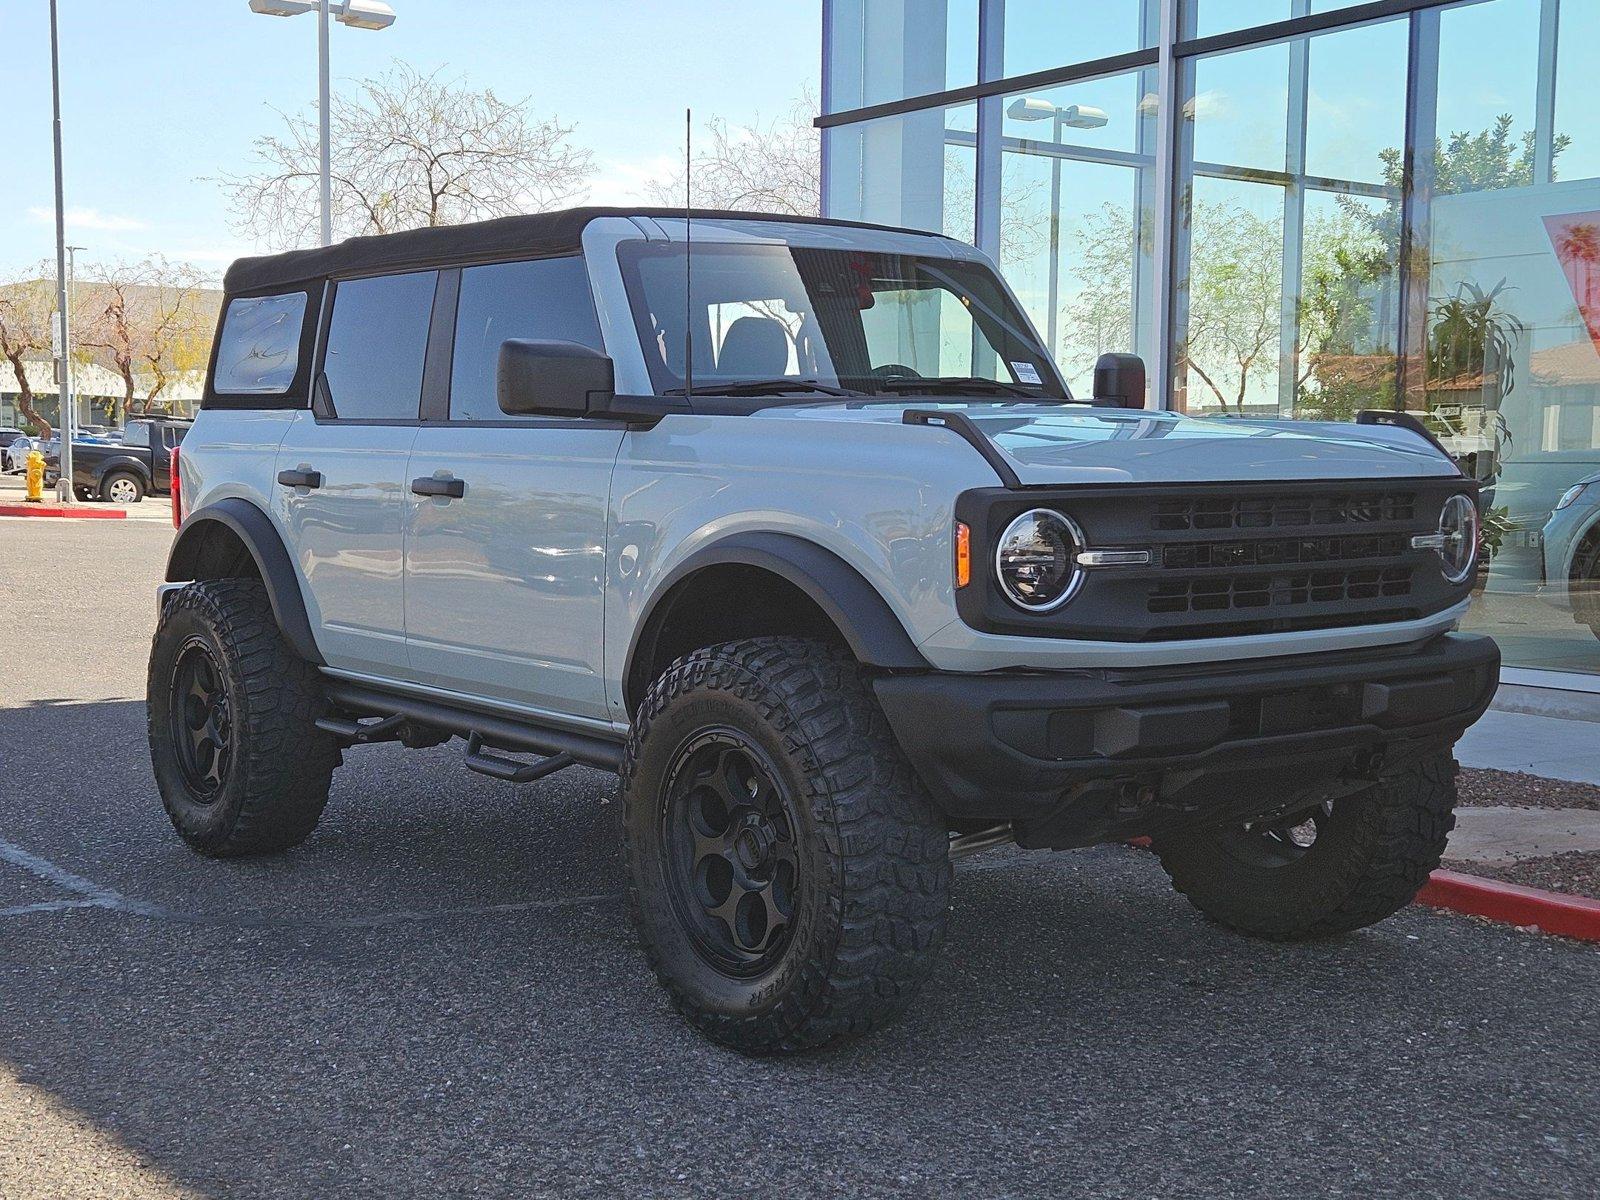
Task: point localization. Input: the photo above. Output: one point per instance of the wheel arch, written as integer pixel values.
(128, 464)
(784, 584)
(232, 538)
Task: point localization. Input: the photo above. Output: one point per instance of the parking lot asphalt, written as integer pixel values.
(439, 995)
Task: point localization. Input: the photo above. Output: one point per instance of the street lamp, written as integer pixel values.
(1070, 116)
(64, 490)
(66, 321)
(357, 14)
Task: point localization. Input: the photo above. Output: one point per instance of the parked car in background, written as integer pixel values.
(16, 454)
(1570, 544)
(9, 435)
(126, 472)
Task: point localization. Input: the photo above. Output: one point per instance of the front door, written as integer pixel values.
(505, 578)
(341, 472)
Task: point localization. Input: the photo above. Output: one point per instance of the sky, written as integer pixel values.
(159, 99)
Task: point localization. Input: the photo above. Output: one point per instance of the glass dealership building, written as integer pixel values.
(1289, 208)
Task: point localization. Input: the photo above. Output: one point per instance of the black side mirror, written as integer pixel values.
(1119, 381)
(559, 379)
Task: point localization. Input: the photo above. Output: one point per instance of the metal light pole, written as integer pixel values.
(64, 489)
(66, 322)
(357, 14)
(324, 123)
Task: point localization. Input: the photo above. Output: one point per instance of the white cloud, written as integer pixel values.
(91, 219)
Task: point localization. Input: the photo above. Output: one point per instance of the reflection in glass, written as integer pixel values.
(1040, 34)
(1076, 211)
(918, 170)
(883, 50)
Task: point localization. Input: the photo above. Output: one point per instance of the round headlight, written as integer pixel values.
(1570, 495)
(1036, 560)
(1458, 526)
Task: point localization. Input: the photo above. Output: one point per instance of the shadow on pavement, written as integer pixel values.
(1085, 1033)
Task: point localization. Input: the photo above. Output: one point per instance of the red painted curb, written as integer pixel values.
(60, 510)
(1549, 912)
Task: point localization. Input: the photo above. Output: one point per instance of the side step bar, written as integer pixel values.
(509, 770)
(479, 728)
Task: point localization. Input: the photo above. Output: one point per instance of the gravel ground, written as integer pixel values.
(1577, 873)
(438, 995)
(1482, 785)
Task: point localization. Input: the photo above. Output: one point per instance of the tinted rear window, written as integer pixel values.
(377, 344)
(259, 352)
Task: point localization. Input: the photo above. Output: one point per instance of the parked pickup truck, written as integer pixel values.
(808, 541)
(125, 472)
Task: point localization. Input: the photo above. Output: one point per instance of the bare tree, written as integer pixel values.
(409, 150)
(761, 167)
(146, 322)
(25, 308)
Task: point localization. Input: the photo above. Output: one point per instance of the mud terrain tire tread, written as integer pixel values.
(887, 897)
(1387, 842)
(283, 764)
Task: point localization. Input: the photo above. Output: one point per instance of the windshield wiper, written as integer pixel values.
(944, 384)
(760, 387)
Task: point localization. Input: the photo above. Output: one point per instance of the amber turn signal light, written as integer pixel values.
(963, 554)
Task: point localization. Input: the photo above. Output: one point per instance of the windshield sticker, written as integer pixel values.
(1024, 372)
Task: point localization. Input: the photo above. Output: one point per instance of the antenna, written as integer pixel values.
(688, 255)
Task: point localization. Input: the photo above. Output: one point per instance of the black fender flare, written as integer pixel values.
(869, 626)
(260, 537)
(124, 463)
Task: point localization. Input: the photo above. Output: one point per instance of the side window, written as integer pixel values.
(259, 353)
(136, 434)
(546, 299)
(377, 343)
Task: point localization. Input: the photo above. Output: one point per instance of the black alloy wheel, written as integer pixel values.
(201, 718)
(728, 835)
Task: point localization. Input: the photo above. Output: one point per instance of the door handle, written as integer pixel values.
(297, 479)
(432, 485)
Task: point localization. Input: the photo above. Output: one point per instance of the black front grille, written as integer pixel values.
(1295, 510)
(1275, 552)
(1228, 560)
(1221, 593)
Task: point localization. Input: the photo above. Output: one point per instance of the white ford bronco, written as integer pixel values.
(795, 526)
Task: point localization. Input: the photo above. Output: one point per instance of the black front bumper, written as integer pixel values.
(1082, 756)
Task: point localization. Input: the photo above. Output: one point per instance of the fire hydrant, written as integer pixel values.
(35, 477)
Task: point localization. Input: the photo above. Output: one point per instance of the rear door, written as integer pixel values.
(341, 469)
(505, 582)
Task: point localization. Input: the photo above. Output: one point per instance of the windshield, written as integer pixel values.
(864, 321)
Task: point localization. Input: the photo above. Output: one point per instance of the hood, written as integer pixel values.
(1080, 444)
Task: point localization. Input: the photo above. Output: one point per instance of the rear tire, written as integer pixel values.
(122, 487)
(231, 711)
(789, 877)
(1367, 856)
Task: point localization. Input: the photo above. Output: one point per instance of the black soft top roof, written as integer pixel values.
(529, 236)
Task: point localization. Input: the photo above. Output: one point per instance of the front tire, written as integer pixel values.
(231, 711)
(1583, 585)
(1329, 870)
(789, 877)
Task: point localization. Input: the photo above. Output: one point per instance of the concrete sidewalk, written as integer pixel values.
(152, 508)
(1554, 747)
